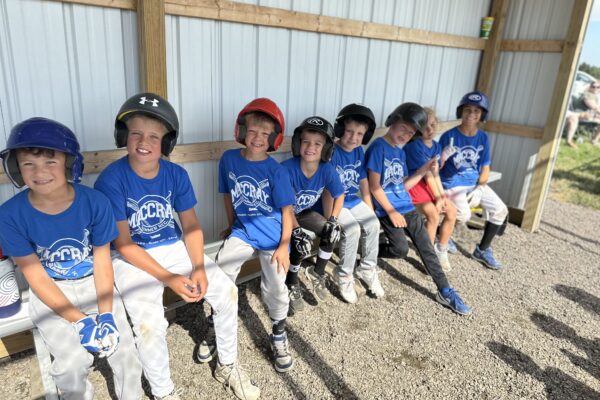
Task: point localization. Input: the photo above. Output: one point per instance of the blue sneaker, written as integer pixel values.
(452, 247)
(450, 298)
(486, 257)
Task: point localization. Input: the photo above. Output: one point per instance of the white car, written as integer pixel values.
(582, 80)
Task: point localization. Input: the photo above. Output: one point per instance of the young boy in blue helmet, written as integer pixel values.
(465, 174)
(311, 174)
(146, 191)
(389, 182)
(58, 232)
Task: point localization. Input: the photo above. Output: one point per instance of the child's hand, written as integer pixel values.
(429, 166)
(107, 334)
(87, 329)
(281, 256)
(183, 287)
(397, 219)
(440, 205)
(200, 282)
(448, 152)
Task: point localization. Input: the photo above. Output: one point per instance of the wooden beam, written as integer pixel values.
(552, 129)
(152, 47)
(514, 130)
(123, 4)
(223, 10)
(487, 69)
(532, 46)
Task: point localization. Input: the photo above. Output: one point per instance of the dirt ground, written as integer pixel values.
(533, 333)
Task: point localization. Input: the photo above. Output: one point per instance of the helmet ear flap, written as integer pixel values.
(275, 140)
(11, 168)
(168, 143)
(121, 133)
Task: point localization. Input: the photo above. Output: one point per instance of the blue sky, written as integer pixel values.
(591, 46)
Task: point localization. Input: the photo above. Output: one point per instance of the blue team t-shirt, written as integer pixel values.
(63, 242)
(148, 205)
(473, 153)
(417, 154)
(350, 166)
(309, 190)
(259, 190)
(390, 163)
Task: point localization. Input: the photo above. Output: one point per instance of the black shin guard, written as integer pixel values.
(491, 230)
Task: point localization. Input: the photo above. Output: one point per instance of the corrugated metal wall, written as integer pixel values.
(523, 88)
(78, 63)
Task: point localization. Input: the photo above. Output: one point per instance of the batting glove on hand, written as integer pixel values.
(474, 196)
(448, 152)
(301, 242)
(107, 335)
(332, 230)
(88, 330)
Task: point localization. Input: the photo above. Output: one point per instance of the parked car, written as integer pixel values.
(582, 80)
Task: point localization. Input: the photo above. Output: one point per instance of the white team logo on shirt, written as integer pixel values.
(150, 214)
(250, 192)
(65, 254)
(467, 157)
(306, 199)
(349, 175)
(394, 172)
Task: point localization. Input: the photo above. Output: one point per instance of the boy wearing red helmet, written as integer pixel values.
(58, 232)
(154, 251)
(465, 174)
(258, 201)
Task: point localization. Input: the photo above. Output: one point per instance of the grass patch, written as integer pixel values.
(576, 177)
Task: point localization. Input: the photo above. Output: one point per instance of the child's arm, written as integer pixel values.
(484, 175)
(395, 217)
(281, 256)
(104, 278)
(338, 204)
(230, 215)
(365, 192)
(327, 201)
(194, 243)
(45, 288)
(138, 257)
(419, 174)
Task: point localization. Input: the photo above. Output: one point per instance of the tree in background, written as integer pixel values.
(590, 69)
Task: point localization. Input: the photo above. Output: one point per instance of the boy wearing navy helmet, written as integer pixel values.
(465, 174)
(58, 232)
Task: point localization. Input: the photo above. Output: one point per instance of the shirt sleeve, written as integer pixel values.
(362, 170)
(184, 196)
(223, 183)
(374, 158)
(12, 240)
(486, 155)
(111, 189)
(334, 184)
(104, 227)
(283, 193)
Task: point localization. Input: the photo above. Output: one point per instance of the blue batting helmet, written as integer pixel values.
(474, 99)
(46, 134)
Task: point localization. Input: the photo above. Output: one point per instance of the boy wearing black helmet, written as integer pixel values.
(466, 173)
(388, 181)
(311, 174)
(58, 232)
(153, 251)
(354, 127)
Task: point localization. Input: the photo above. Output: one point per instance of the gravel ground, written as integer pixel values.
(533, 332)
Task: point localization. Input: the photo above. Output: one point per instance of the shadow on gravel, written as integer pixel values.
(394, 273)
(580, 296)
(305, 350)
(560, 330)
(558, 385)
(575, 242)
(558, 228)
(196, 324)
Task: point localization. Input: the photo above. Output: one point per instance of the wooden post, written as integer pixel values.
(152, 47)
(492, 47)
(552, 129)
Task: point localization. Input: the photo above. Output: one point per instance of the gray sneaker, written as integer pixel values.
(346, 288)
(208, 346)
(236, 379)
(317, 282)
(282, 359)
(371, 278)
(296, 301)
(174, 395)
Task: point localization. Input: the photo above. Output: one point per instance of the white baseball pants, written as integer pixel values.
(143, 298)
(494, 208)
(358, 222)
(72, 362)
(235, 252)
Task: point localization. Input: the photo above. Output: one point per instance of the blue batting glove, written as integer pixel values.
(87, 330)
(107, 334)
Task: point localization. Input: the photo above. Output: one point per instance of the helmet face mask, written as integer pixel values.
(42, 133)
(475, 98)
(358, 113)
(318, 125)
(153, 106)
(261, 106)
